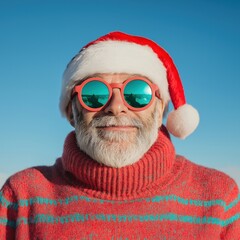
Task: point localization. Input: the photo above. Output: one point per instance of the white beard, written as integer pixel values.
(111, 148)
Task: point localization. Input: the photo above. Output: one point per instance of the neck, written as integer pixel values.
(120, 183)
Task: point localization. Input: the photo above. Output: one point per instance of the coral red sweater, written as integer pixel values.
(162, 196)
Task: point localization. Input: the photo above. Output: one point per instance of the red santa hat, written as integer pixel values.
(118, 52)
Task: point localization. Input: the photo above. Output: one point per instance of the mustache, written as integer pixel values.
(107, 121)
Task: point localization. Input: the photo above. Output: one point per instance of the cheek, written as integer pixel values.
(148, 115)
(88, 116)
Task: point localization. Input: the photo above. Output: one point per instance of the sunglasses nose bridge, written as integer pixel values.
(116, 103)
(116, 85)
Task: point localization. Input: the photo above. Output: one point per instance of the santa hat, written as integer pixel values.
(118, 52)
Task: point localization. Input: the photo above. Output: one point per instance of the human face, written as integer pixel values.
(116, 136)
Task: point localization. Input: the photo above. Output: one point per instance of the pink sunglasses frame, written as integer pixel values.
(111, 86)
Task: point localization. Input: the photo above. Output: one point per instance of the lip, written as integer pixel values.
(118, 128)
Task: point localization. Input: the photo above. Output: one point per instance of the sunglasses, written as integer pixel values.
(137, 93)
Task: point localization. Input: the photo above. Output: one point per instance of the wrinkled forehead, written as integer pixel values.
(113, 77)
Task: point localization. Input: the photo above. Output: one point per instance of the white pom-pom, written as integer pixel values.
(182, 121)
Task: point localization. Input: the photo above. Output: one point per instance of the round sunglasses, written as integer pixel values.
(137, 93)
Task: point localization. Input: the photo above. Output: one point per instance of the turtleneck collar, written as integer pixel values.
(120, 183)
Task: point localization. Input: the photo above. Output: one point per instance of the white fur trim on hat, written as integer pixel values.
(114, 57)
(182, 121)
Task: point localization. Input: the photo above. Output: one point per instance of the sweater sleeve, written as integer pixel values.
(231, 229)
(8, 213)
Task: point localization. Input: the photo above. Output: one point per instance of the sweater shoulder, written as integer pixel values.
(211, 175)
(33, 179)
(210, 182)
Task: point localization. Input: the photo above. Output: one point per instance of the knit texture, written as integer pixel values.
(162, 196)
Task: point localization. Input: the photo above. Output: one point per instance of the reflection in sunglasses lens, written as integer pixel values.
(95, 94)
(137, 93)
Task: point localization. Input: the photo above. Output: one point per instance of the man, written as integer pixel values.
(119, 176)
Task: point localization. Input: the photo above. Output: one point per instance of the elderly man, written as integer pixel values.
(119, 176)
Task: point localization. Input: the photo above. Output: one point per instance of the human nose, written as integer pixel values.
(116, 104)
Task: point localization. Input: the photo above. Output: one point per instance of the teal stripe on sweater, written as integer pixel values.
(50, 219)
(157, 199)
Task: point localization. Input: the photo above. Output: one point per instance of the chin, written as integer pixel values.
(117, 154)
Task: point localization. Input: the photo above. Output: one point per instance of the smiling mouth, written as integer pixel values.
(117, 128)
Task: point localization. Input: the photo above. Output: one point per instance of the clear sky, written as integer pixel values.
(38, 38)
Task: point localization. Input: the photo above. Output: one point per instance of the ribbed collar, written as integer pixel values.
(119, 183)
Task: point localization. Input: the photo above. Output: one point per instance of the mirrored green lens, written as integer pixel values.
(137, 93)
(95, 94)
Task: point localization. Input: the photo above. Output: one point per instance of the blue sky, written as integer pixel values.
(38, 38)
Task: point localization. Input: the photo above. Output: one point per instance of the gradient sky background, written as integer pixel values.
(38, 38)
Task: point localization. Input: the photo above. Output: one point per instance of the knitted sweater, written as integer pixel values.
(162, 196)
